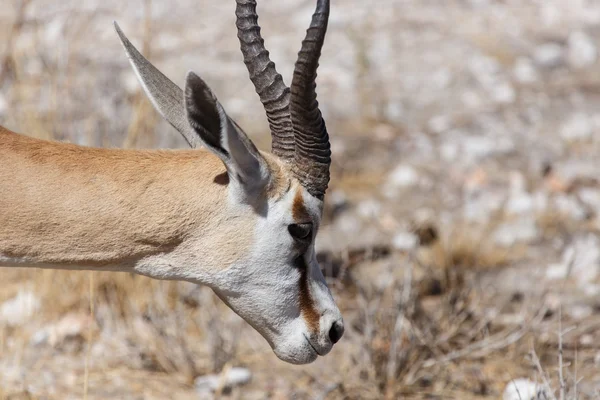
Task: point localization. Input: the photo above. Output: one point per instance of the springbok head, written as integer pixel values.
(277, 286)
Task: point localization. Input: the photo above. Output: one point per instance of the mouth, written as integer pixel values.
(311, 346)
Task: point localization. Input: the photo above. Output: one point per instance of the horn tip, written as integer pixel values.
(323, 6)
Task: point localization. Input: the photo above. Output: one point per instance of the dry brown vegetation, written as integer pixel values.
(458, 315)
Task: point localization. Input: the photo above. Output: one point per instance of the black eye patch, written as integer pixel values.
(301, 232)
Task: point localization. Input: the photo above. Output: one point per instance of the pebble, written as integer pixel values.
(405, 241)
(403, 176)
(548, 55)
(18, 310)
(523, 389)
(579, 126)
(524, 70)
(518, 231)
(229, 378)
(582, 51)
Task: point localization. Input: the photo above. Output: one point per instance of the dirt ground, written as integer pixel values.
(461, 236)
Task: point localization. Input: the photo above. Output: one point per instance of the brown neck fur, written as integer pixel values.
(65, 205)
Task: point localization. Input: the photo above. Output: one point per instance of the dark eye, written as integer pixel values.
(300, 231)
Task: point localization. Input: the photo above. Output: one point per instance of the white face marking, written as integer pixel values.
(265, 288)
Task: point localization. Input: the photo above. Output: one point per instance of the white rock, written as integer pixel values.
(590, 196)
(229, 378)
(20, 308)
(441, 78)
(524, 71)
(520, 203)
(523, 389)
(130, 83)
(348, 223)
(570, 206)
(478, 147)
(579, 126)
(449, 151)
(517, 182)
(581, 260)
(403, 176)
(550, 13)
(471, 99)
(586, 340)
(404, 241)
(557, 271)
(582, 51)
(503, 93)
(369, 208)
(579, 312)
(481, 207)
(510, 233)
(585, 256)
(548, 55)
(439, 124)
(591, 290)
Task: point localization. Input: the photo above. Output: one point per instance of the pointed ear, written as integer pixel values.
(223, 136)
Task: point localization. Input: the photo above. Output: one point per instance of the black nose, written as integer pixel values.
(336, 331)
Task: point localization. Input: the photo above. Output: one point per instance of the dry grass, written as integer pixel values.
(432, 331)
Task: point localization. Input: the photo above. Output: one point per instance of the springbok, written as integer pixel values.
(234, 218)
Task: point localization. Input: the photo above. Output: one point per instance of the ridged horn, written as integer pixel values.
(273, 93)
(312, 156)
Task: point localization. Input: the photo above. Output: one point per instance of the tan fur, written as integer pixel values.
(64, 205)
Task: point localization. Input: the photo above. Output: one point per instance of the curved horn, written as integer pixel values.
(269, 85)
(313, 155)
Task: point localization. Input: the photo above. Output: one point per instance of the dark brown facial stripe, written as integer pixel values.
(299, 212)
(307, 305)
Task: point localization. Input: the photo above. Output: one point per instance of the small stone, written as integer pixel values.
(384, 132)
(548, 55)
(570, 206)
(520, 203)
(524, 71)
(590, 196)
(403, 176)
(523, 389)
(348, 222)
(582, 51)
(586, 340)
(405, 241)
(519, 231)
(578, 127)
(19, 309)
(584, 258)
(557, 271)
(439, 124)
(503, 93)
(480, 208)
(227, 379)
(579, 312)
(369, 208)
(591, 290)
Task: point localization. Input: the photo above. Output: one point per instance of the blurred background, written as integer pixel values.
(461, 233)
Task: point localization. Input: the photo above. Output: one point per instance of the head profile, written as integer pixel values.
(274, 200)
